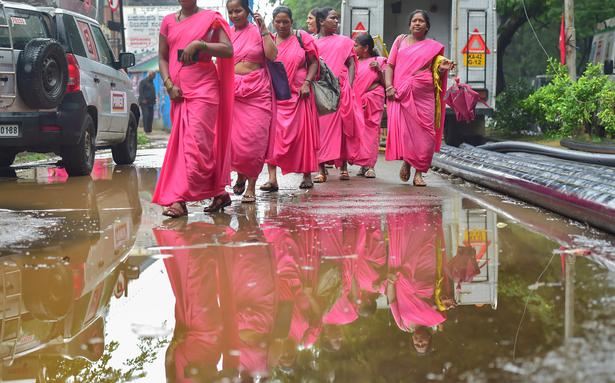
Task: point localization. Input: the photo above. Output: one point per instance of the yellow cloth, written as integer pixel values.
(435, 69)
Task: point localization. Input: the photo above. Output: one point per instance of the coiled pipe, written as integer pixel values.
(573, 190)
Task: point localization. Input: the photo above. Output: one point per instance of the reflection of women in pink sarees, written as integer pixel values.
(415, 86)
(251, 273)
(298, 263)
(370, 264)
(197, 160)
(412, 265)
(199, 338)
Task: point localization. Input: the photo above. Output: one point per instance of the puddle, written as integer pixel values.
(372, 284)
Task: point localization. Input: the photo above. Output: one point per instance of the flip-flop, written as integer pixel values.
(172, 212)
(419, 184)
(404, 172)
(248, 199)
(218, 203)
(269, 187)
(320, 179)
(239, 187)
(344, 175)
(370, 173)
(306, 184)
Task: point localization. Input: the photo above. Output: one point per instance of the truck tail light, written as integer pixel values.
(74, 78)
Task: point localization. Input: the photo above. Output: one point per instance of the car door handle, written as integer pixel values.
(112, 85)
(96, 80)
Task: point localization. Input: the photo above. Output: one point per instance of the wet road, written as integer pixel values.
(358, 281)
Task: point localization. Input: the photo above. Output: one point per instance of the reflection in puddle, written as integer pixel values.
(368, 287)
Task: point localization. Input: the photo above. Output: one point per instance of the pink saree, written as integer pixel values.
(412, 256)
(373, 108)
(197, 161)
(337, 130)
(253, 128)
(199, 319)
(297, 136)
(413, 133)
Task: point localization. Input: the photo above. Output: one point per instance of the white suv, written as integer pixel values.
(62, 90)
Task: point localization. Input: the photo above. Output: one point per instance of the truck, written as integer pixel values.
(467, 29)
(603, 46)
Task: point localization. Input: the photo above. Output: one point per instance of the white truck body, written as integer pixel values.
(460, 25)
(603, 46)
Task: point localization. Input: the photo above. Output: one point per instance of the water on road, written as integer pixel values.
(357, 281)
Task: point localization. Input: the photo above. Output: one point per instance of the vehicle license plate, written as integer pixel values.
(9, 130)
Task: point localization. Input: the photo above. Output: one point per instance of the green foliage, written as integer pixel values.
(142, 139)
(301, 8)
(82, 370)
(510, 118)
(577, 107)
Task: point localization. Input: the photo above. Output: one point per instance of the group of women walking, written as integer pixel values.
(226, 117)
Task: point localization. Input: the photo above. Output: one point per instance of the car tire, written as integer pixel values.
(42, 74)
(7, 158)
(126, 152)
(78, 159)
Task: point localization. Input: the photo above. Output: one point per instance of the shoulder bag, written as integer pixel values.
(326, 89)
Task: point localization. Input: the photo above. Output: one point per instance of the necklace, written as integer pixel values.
(181, 14)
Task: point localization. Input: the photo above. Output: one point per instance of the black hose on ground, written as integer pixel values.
(561, 188)
(590, 147)
(526, 147)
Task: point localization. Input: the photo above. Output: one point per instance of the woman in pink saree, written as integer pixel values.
(297, 141)
(197, 160)
(253, 131)
(202, 310)
(339, 131)
(415, 85)
(414, 241)
(369, 89)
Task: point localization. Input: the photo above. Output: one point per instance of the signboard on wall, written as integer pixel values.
(142, 25)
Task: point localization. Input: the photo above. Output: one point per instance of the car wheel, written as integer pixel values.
(79, 159)
(126, 152)
(7, 158)
(42, 74)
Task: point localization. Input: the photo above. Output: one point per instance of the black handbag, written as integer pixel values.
(279, 79)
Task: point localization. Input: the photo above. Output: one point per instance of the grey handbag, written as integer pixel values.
(326, 89)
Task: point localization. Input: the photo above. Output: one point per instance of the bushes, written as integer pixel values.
(575, 108)
(510, 118)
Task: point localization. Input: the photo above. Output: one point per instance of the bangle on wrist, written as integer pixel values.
(263, 34)
(389, 88)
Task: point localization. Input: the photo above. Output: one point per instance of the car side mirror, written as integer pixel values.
(608, 66)
(127, 60)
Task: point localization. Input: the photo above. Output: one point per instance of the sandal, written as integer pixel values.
(248, 199)
(320, 179)
(370, 173)
(173, 212)
(418, 181)
(344, 176)
(404, 172)
(218, 203)
(239, 187)
(269, 187)
(306, 184)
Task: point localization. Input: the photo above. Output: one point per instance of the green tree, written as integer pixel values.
(301, 8)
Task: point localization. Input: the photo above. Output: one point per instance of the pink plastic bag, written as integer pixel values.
(462, 99)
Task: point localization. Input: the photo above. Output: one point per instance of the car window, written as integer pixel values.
(69, 36)
(25, 26)
(104, 52)
(88, 40)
